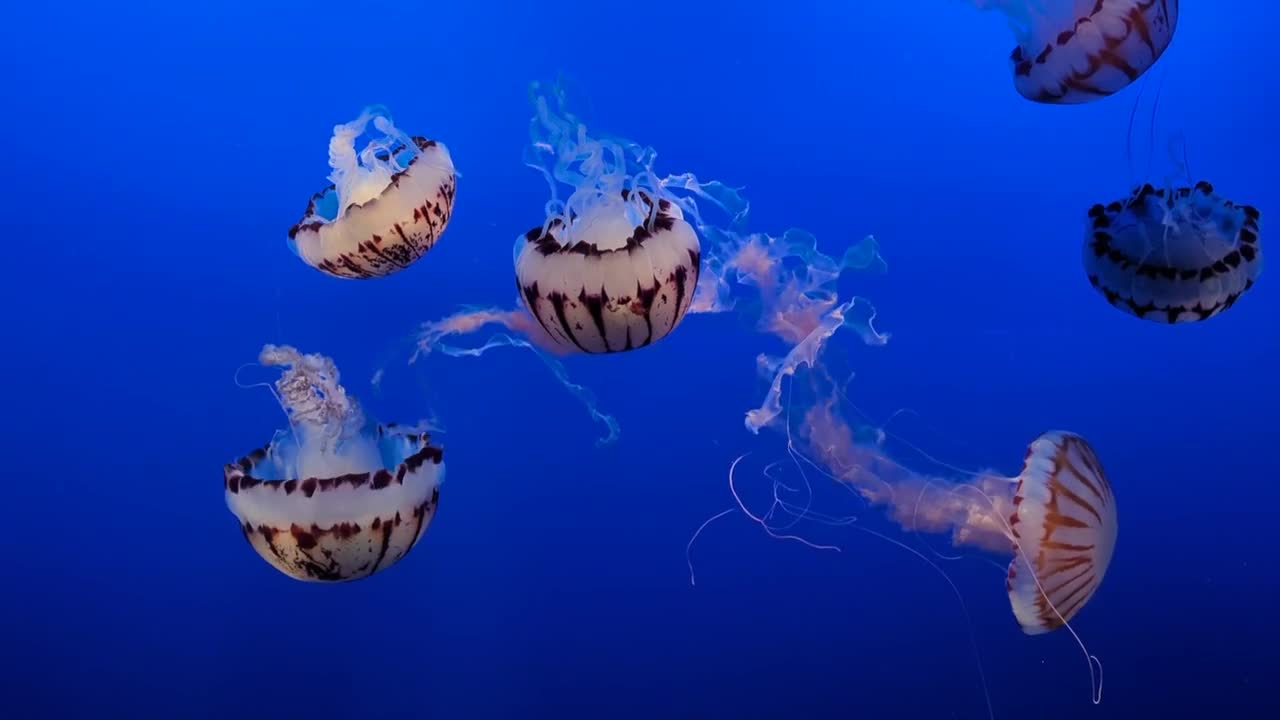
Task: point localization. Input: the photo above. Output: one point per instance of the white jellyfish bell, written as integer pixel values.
(617, 277)
(387, 205)
(613, 267)
(1063, 529)
(1075, 51)
(334, 498)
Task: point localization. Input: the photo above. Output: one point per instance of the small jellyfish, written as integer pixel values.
(335, 497)
(1075, 51)
(387, 204)
(613, 267)
(1176, 254)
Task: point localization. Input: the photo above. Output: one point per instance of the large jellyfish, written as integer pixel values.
(613, 266)
(387, 204)
(1074, 51)
(334, 497)
(1174, 254)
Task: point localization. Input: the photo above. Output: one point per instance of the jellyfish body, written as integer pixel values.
(1075, 51)
(1064, 532)
(387, 204)
(1173, 255)
(335, 498)
(617, 277)
(613, 266)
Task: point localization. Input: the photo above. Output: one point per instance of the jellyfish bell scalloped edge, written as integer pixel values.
(340, 528)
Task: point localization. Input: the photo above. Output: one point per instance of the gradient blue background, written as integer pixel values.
(155, 153)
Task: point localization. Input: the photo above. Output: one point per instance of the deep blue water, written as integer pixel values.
(157, 152)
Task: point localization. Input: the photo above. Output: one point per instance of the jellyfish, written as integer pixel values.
(1054, 523)
(1173, 254)
(614, 265)
(335, 497)
(1075, 51)
(1063, 532)
(387, 205)
(1056, 518)
(621, 261)
(1057, 515)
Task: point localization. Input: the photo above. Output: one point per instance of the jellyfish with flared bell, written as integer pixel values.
(335, 497)
(1173, 254)
(1075, 51)
(387, 205)
(612, 267)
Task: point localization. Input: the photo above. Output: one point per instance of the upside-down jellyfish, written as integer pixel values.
(1175, 254)
(613, 266)
(334, 497)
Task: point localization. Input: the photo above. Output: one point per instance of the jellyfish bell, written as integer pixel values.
(1063, 529)
(387, 205)
(614, 265)
(1075, 51)
(336, 497)
(615, 272)
(1174, 254)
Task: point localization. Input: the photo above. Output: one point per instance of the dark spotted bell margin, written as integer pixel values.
(355, 547)
(647, 282)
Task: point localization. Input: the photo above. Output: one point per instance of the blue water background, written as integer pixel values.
(157, 152)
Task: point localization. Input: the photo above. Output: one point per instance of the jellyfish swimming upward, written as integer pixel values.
(387, 205)
(1075, 51)
(335, 497)
(1173, 254)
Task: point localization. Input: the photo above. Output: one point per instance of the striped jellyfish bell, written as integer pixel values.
(1063, 529)
(339, 528)
(616, 276)
(387, 204)
(1075, 51)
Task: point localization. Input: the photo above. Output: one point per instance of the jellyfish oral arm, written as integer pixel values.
(360, 177)
(328, 427)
